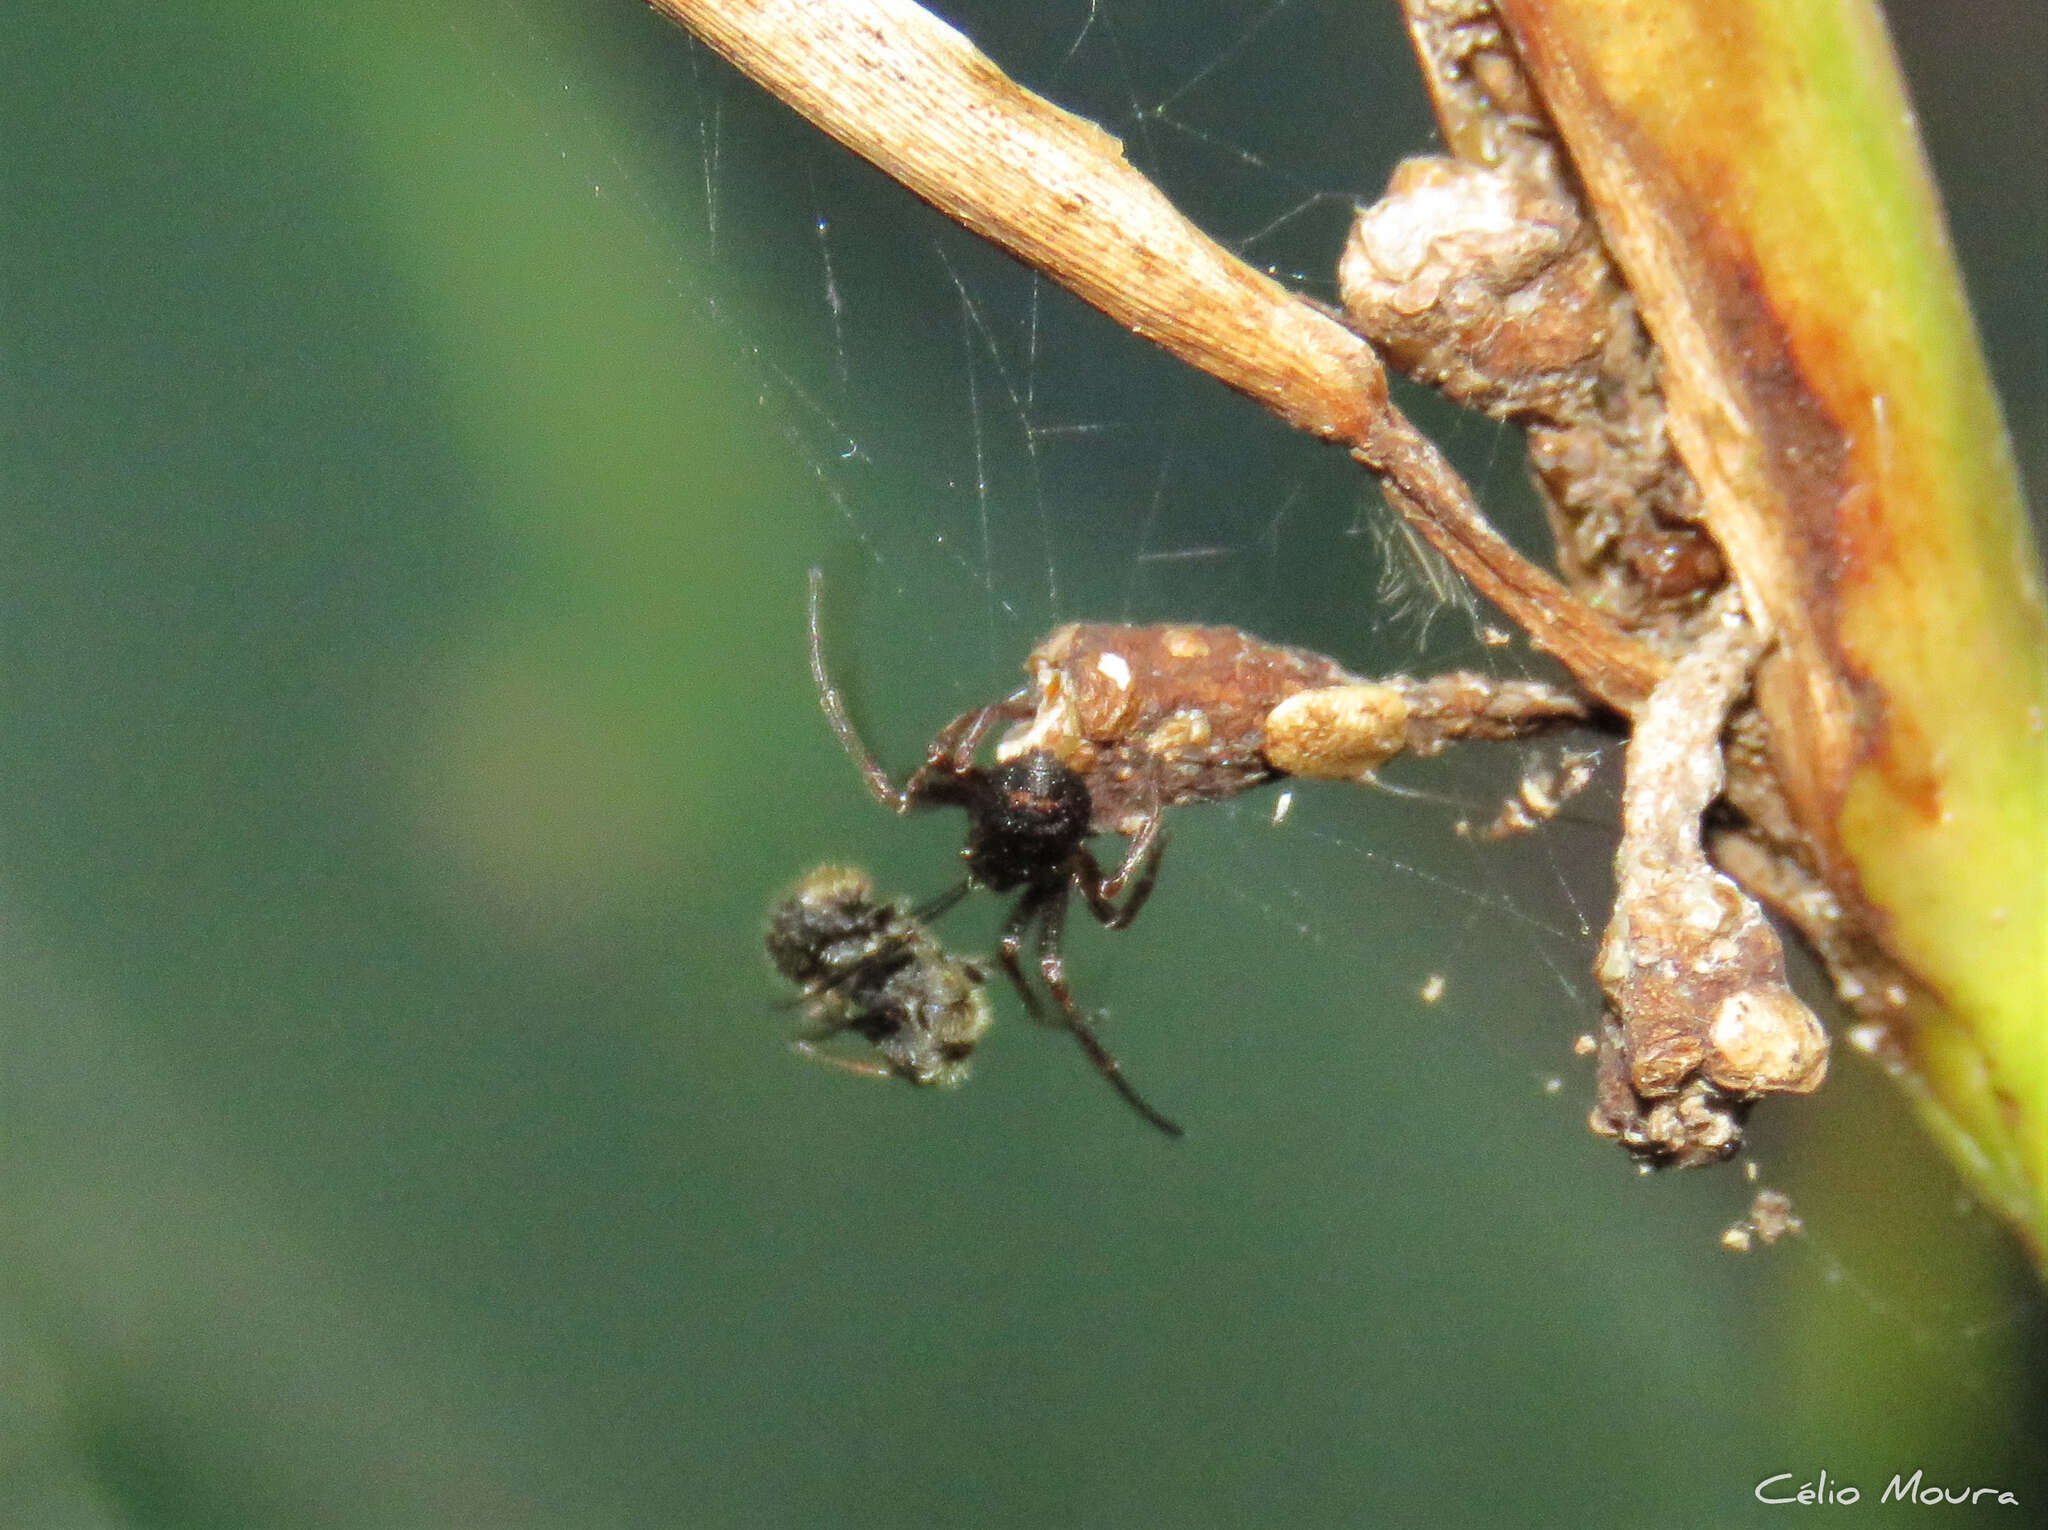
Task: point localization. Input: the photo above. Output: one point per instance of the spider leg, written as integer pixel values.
(1141, 860)
(947, 762)
(955, 744)
(948, 769)
(1053, 967)
(1026, 911)
(1052, 962)
(1107, 1065)
(885, 791)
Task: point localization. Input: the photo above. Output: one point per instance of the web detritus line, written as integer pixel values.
(911, 94)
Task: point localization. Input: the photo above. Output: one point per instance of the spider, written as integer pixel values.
(870, 967)
(1122, 722)
(1029, 820)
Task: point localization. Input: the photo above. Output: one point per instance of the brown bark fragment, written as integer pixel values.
(1161, 716)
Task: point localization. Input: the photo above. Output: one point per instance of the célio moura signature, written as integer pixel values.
(1781, 1489)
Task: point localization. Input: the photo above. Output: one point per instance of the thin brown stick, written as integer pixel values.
(901, 88)
(1426, 489)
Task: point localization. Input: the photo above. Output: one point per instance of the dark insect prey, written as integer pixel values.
(871, 968)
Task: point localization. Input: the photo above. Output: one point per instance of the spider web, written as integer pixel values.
(985, 459)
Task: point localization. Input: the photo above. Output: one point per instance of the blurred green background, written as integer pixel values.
(417, 424)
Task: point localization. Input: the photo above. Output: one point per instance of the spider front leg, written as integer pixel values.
(885, 791)
(948, 770)
(948, 760)
(955, 744)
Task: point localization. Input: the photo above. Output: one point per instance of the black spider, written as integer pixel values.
(1028, 825)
